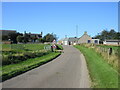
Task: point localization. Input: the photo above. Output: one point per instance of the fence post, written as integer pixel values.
(109, 52)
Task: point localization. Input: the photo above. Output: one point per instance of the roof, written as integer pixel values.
(7, 30)
(85, 33)
(73, 39)
(112, 40)
(65, 39)
(33, 33)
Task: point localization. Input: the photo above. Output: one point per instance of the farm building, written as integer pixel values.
(85, 38)
(111, 42)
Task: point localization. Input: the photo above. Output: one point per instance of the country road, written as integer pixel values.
(67, 71)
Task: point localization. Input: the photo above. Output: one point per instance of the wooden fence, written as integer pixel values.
(109, 54)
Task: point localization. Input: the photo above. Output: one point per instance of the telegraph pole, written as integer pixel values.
(76, 30)
(65, 36)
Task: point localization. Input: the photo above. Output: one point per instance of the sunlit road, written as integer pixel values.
(67, 71)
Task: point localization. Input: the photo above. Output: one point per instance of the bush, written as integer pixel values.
(5, 60)
(13, 59)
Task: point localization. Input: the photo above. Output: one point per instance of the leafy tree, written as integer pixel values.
(49, 37)
(112, 34)
(20, 38)
(13, 36)
(41, 40)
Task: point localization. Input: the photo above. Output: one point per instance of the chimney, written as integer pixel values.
(85, 32)
(41, 33)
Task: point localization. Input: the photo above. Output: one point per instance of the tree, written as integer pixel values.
(26, 38)
(41, 40)
(13, 36)
(49, 37)
(112, 34)
(20, 38)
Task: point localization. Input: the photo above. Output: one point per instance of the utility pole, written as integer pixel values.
(65, 36)
(76, 31)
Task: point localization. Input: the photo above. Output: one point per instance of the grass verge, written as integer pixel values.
(12, 70)
(101, 73)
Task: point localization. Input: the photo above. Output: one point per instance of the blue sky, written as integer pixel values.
(60, 18)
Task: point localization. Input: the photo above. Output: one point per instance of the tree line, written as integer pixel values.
(107, 35)
(24, 38)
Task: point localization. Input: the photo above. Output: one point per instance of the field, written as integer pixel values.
(22, 47)
(19, 58)
(101, 73)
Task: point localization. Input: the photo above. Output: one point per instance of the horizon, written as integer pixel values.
(60, 18)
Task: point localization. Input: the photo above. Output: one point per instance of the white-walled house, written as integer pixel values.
(111, 42)
(65, 41)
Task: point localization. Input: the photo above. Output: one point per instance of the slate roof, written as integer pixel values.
(73, 39)
(65, 39)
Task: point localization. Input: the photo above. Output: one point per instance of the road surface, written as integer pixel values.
(67, 71)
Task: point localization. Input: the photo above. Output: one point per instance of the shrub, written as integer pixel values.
(13, 59)
(5, 60)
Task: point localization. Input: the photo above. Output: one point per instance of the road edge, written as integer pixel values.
(86, 82)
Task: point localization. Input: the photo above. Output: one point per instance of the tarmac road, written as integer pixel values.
(67, 71)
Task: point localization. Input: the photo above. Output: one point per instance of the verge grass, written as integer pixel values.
(12, 70)
(101, 73)
(109, 46)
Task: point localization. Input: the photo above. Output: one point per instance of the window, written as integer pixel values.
(89, 41)
(96, 41)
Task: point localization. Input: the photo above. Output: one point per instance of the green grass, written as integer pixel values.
(109, 46)
(20, 52)
(60, 47)
(22, 47)
(101, 73)
(12, 70)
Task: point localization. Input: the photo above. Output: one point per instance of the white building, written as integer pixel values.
(111, 42)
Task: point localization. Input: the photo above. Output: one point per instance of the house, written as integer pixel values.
(85, 38)
(4, 35)
(33, 37)
(65, 41)
(6, 32)
(111, 42)
(68, 41)
(73, 41)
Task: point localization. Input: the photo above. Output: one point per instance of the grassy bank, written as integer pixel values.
(15, 53)
(109, 46)
(19, 58)
(59, 47)
(12, 70)
(22, 47)
(101, 73)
